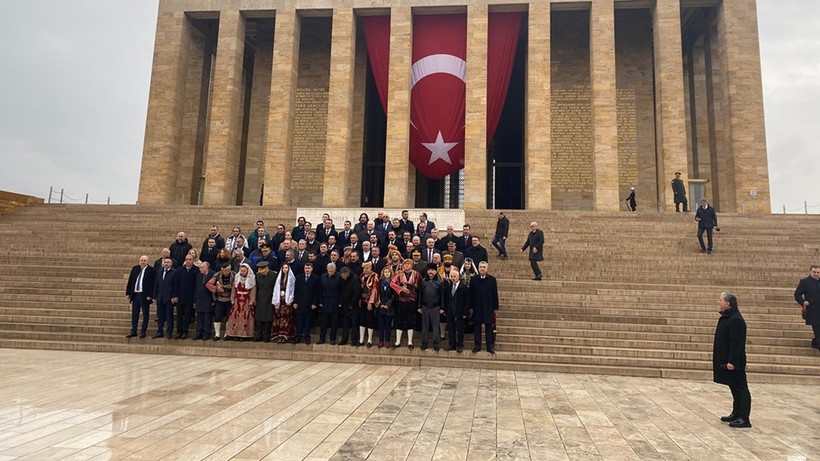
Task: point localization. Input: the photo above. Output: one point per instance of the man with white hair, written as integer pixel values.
(140, 291)
(535, 242)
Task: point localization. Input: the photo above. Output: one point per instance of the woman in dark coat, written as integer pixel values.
(386, 307)
(729, 359)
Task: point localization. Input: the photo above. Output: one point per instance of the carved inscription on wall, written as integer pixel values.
(309, 133)
(627, 138)
(572, 140)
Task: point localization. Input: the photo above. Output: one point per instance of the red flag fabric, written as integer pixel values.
(437, 94)
(438, 76)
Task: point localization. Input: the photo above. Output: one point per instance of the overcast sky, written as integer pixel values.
(74, 78)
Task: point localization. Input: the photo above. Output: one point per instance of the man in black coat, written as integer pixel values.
(186, 288)
(166, 292)
(680, 193)
(707, 220)
(729, 360)
(483, 303)
(307, 299)
(263, 315)
(330, 287)
(476, 252)
(535, 242)
(457, 301)
(179, 249)
(204, 301)
(502, 229)
(431, 305)
(807, 295)
(140, 291)
(351, 295)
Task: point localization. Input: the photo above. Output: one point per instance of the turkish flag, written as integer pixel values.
(437, 97)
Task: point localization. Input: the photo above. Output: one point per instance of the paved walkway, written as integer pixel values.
(91, 406)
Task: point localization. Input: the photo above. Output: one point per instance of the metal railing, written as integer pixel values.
(60, 197)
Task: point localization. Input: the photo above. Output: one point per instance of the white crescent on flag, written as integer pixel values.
(438, 64)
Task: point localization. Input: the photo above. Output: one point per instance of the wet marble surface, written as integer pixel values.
(58, 405)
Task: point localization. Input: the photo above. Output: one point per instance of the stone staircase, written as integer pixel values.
(626, 294)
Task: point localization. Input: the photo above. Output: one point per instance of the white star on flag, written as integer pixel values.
(440, 150)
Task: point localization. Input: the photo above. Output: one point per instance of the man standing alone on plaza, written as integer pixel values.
(535, 242)
(502, 229)
(707, 220)
(680, 194)
(807, 295)
(729, 360)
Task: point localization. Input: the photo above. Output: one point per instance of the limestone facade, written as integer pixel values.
(264, 101)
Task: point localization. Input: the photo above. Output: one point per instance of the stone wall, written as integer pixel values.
(9, 201)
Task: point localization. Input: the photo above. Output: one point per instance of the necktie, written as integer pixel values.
(138, 285)
(163, 274)
(429, 256)
(454, 290)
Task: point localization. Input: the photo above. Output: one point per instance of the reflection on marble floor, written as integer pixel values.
(92, 406)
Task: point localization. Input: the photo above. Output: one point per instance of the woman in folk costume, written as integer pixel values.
(370, 302)
(468, 271)
(284, 323)
(243, 299)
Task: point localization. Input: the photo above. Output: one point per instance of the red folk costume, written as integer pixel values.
(243, 298)
(284, 323)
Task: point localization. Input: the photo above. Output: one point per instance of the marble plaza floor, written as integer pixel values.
(92, 406)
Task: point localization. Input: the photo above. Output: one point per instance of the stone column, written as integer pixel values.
(475, 131)
(398, 192)
(339, 108)
(604, 106)
(745, 136)
(257, 125)
(225, 134)
(670, 103)
(281, 114)
(539, 86)
(163, 129)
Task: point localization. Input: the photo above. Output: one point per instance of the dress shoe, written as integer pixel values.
(460, 349)
(178, 336)
(184, 336)
(343, 343)
(131, 335)
(740, 422)
(410, 346)
(491, 350)
(197, 338)
(424, 347)
(321, 341)
(476, 349)
(436, 348)
(708, 251)
(216, 338)
(394, 346)
(703, 250)
(142, 335)
(536, 278)
(296, 340)
(369, 344)
(728, 419)
(307, 340)
(333, 343)
(157, 336)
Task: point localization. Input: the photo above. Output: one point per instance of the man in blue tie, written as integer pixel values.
(166, 291)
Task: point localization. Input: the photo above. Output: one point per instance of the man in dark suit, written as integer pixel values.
(343, 238)
(140, 291)
(729, 360)
(166, 291)
(330, 287)
(483, 303)
(535, 242)
(204, 300)
(502, 229)
(429, 250)
(465, 240)
(707, 220)
(476, 252)
(428, 225)
(456, 303)
(807, 295)
(186, 287)
(307, 299)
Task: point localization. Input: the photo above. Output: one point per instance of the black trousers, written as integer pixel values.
(165, 315)
(139, 304)
(204, 324)
(455, 331)
(741, 399)
(304, 320)
(816, 329)
(708, 236)
(350, 321)
(685, 206)
(185, 313)
(535, 269)
(488, 335)
(262, 330)
(329, 320)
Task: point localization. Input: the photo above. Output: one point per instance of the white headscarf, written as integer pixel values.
(290, 288)
(473, 270)
(249, 280)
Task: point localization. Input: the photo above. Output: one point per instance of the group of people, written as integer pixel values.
(366, 280)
